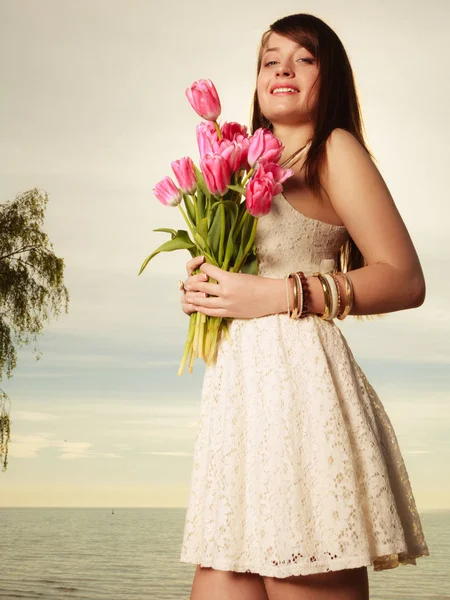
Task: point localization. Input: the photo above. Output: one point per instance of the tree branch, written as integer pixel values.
(24, 249)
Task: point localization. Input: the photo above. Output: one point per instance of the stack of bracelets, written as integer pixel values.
(331, 292)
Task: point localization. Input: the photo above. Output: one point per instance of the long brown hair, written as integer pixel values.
(338, 106)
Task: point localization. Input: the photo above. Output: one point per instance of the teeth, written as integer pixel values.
(285, 89)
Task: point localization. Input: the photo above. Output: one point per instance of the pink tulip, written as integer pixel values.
(185, 174)
(207, 138)
(167, 192)
(216, 173)
(204, 99)
(264, 147)
(244, 146)
(234, 131)
(231, 153)
(259, 194)
(278, 174)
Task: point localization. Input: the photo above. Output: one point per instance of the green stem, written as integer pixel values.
(244, 217)
(222, 233)
(188, 222)
(247, 177)
(219, 133)
(198, 336)
(194, 200)
(248, 247)
(194, 342)
(214, 340)
(188, 344)
(203, 330)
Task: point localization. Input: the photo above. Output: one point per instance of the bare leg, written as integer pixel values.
(211, 584)
(348, 584)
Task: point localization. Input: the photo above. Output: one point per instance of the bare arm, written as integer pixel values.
(393, 278)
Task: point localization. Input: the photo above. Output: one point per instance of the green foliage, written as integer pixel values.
(180, 240)
(5, 429)
(31, 286)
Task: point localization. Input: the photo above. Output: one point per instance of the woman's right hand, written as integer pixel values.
(191, 266)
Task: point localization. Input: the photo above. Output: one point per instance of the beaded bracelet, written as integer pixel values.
(306, 293)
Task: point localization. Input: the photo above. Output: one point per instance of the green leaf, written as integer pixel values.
(232, 212)
(201, 181)
(201, 243)
(202, 228)
(172, 232)
(238, 188)
(190, 209)
(181, 241)
(201, 202)
(214, 231)
(250, 265)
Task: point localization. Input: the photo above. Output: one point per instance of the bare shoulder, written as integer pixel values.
(342, 147)
(361, 198)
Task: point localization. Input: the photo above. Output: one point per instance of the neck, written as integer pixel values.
(293, 137)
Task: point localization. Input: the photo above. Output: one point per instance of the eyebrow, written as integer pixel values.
(277, 49)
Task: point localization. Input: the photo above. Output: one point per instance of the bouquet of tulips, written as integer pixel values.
(239, 175)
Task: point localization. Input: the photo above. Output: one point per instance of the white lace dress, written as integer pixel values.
(296, 466)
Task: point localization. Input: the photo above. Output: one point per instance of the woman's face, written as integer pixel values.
(287, 65)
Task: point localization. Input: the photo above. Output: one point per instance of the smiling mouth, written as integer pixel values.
(279, 91)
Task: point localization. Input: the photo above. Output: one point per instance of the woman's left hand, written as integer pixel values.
(235, 295)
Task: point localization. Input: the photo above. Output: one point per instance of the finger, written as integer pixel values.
(213, 312)
(194, 297)
(212, 289)
(197, 299)
(192, 281)
(188, 308)
(213, 271)
(193, 264)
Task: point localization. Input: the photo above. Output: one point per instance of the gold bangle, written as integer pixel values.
(295, 304)
(300, 295)
(326, 294)
(336, 281)
(287, 295)
(349, 296)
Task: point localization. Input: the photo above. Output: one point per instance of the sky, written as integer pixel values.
(93, 111)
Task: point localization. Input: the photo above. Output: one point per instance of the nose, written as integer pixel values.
(284, 71)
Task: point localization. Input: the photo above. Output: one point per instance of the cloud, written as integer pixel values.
(29, 446)
(123, 446)
(169, 453)
(106, 454)
(75, 450)
(27, 415)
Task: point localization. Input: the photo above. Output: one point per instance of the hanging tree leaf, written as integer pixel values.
(31, 287)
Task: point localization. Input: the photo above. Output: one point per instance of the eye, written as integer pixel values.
(308, 60)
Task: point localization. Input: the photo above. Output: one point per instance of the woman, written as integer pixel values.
(298, 482)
